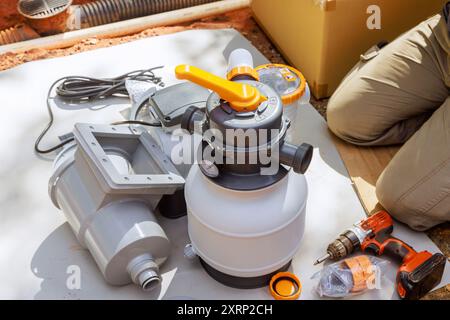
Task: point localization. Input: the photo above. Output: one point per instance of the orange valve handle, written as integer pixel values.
(241, 97)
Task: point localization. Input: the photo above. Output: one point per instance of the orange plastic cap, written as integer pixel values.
(242, 71)
(285, 286)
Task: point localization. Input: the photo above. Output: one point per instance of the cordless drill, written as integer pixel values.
(419, 272)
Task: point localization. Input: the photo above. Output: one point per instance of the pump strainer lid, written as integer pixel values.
(41, 9)
(288, 82)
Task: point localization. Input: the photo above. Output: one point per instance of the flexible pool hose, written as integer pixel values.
(19, 32)
(108, 11)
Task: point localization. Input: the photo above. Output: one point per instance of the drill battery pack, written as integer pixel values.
(425, 275)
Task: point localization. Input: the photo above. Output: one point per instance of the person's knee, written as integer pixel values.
(348, 113)
(339, 119)
(399, 207)
(336, 117)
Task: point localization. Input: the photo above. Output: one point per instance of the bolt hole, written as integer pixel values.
(113, 128)
(105, 160)
(126, 178)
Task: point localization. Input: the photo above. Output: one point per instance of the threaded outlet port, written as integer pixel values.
(149, 280)
(144, 272)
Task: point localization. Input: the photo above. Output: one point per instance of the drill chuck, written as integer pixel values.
(341, 247)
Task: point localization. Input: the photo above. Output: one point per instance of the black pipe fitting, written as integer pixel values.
(190, 117)
(298, 158)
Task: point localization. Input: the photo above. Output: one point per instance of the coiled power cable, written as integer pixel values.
(82, 89)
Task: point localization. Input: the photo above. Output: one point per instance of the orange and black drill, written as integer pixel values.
(420, 271)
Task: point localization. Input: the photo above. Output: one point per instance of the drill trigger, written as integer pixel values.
(373, 248)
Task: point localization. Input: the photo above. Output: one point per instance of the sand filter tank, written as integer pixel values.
(245, 218)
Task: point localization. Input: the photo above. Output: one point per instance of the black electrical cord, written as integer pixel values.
(142, 123)
(81, 89)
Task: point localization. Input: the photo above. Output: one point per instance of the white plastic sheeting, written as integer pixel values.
(39, 255)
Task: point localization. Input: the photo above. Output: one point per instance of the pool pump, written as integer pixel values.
(108, 184)
(247, 194)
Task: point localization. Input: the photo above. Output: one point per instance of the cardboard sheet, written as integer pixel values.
(38, 251)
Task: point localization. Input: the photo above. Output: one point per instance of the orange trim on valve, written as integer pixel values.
(242, 71)
(241, 97)
(287, 72)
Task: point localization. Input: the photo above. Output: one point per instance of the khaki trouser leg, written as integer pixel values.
(386, 99)
(415, 186)
(400, 95)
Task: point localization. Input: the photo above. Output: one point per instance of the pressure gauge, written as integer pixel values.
(209, 169)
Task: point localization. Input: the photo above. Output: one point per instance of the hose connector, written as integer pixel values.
(144, 272)
(192, 116)
(299, 158)
(240, 66)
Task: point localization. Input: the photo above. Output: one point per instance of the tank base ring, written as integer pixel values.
(241, 282)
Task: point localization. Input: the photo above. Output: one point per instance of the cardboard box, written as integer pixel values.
(325, 38)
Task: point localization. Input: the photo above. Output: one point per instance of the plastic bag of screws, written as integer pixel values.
(351, 276)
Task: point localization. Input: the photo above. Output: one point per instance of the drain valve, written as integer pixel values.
(45, 16)
(41, 9)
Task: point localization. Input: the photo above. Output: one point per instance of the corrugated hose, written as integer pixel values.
(108, 11)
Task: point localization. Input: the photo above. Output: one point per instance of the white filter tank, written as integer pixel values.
(246, 197)
(246, 234)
